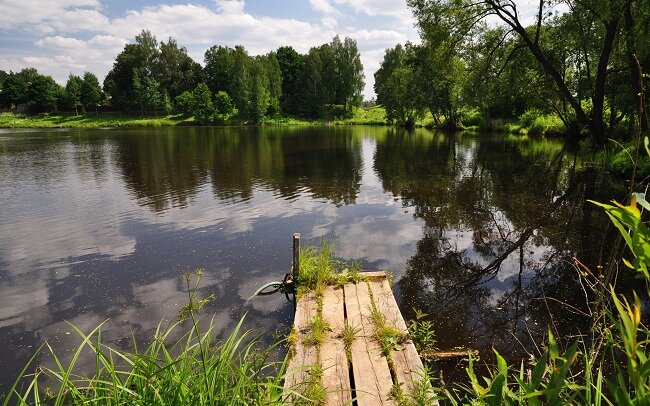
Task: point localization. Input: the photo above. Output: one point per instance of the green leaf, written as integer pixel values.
(553, 347)
(538, 371)
(640, 199)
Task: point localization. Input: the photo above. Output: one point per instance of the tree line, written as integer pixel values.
(584, 65)
(149, 76)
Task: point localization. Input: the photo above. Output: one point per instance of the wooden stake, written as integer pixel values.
(296, 257)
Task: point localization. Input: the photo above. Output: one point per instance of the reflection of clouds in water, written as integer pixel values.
(72, 220)
(19, 297)
(156, 305)
(385, 240)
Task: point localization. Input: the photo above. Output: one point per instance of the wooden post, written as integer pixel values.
(295, 269)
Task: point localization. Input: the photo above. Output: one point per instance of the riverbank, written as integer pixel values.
(537, 125)
(370, 116)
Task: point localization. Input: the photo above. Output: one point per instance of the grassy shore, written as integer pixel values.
(371, 116)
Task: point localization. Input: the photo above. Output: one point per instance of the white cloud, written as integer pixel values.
(388, 8)
(61, 29)
(325, 7)
(17, 13)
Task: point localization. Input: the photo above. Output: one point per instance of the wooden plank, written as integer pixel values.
(336, 373)
(374, 274)
(407, 364)
(386, 304)
(305, 357)
(372, 378)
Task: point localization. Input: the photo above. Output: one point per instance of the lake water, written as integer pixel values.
(479, 231)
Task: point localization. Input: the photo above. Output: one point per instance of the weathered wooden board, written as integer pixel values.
(407, 365)
(372, 378)
(304, 357)
(336, 372)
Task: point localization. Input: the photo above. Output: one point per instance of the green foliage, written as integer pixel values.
(422, 333)
(389, 337)
(636, 234)
(73, 92)
(259, 90)
(621, 160)
(185, 103)
(42, 93)
(147, 91)
(223, 106)
(91, 93)
(202, 104)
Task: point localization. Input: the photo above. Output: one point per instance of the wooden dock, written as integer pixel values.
(352, 369)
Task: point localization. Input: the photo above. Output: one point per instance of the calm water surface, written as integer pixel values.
(479, 232)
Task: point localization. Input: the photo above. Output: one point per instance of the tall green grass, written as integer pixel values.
(194, 370)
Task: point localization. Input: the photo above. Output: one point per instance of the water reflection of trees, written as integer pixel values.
(168, 169)
(503, 220)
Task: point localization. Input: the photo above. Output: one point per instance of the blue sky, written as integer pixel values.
(59, 37)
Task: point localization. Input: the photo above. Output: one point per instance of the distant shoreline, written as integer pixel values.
(103, 120)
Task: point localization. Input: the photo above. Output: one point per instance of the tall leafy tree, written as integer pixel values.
(274, 75)
(241, 80)
(203, 106)
(600, 31)
(73, 92)
(142, 56)
(259, 90)
(219, 68)
(91, 92)
(147, 91)
(290, 64)
(397, 84)
(311, 98)
(42, 94)
(175, 70)
(349, 72)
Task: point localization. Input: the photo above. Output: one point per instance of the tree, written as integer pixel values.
(185, 103)
(290, 64)
(118, 83)
(203, 107)
(142, 56)
(241, 80)
(73, 92)
(274, 75)
(175, 70)
(219, 68)
(42, 94)
(312, 90)
(3, 75)
(223, 106)
(14, 87)
(349, 72)
(147, 91)
(397, 86)
(91, 93)
(597, 42)
(259, 91)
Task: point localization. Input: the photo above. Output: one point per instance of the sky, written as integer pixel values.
(59, 37)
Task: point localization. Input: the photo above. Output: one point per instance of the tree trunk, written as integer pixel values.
(598, 99)
(635, 70)
(595, 123)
